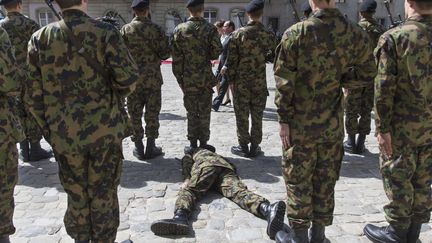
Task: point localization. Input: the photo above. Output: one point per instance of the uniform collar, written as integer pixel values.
(370, 20)
(73, 13)
(141, 19)
(421, 18)
(196, 19)
(254, 23)
(14, 14)
(328, 12)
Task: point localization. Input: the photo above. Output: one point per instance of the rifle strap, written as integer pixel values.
(92, 62)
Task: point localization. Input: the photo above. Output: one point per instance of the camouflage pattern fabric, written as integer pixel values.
(359, 102)
(403, 106)
(194, 44)
(148, 45)
(309, 99)
(10, 132)
(83, 117)
(249, 50)
(210, 170)
(20, 28)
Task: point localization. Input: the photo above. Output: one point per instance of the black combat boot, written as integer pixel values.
(387, 234)
(203, 143)
(274, 214)
(152, 151)
(37, 153)
(255, 150)
(414, 233)
(138, 151)
(178, 225)
(350, 145)
(240, 150)
(193, 143)
(360, 145)
(25, 150)
(317, 234)
(4, 239)
(296, 236)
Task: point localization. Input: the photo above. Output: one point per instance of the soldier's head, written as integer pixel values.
(418, 7)
(322, 4)
(368, 8)
(141, 7)
(228, 27)
(255, 10)
(219, 26)
(195, 7)
(191, 151)
(12, 5)
(73, 4)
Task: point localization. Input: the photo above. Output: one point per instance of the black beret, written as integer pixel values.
(3, 2)
(193, 3)
(254, 5)
(306, 7)
(368, 6)
(140, 3)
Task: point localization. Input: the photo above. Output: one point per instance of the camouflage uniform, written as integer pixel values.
(82, 117)
(404, 109)
(359, 102)
(250, 48)
(194, 44)
(309, 99)
(20, 28)
(148, 45)
(10, 133)
(208, 170)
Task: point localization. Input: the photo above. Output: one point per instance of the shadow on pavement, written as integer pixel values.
(270, 114)
(261, 169)
(361, 166)
(39, 175)
(171, 117)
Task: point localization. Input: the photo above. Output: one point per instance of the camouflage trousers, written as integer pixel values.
(198, 108)
(247, 104)
(90, 178)
(359, 104)
(310, 172)
(224, 181)
(407, 181)
(8, 180)
(151, 101)
(31, 129)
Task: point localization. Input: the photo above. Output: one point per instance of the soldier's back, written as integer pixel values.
(373, 28)
(204, 158)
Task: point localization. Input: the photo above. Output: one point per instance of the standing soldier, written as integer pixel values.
(195, 43)
(249, 50)
(148, 45)
(20, 28)
(359, 102)
(9, 135)
(403, 105)
(80, 72)
(316, 58)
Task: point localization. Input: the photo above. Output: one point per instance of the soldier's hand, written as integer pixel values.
(185, 184)
(385, 144)
(284, 133)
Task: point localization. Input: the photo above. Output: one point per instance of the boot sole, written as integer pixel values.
(277, 223)
(164, 228)
(371, 238)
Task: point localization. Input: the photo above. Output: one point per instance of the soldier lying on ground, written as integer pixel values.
(204, 169)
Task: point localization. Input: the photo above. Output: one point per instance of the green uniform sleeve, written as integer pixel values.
(161, 45)
(215, 44)
(187, 163)
(9, 75)
(285, 71)
(385, 83)
(232, 59)
(178, 58)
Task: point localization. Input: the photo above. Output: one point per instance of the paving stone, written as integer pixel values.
(244, 235)
(216, 224)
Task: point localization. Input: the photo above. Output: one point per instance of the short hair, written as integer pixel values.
(230, 24)
(68, 3)
(256, 14)
(219, 23)
(196, 9)
(141, 9)
(13, 4)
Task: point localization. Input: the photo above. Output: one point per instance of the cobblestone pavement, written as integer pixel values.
(148, 189)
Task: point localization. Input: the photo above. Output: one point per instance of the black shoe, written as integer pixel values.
(152, 151)
(296, 236)
(255, 150)
(387, 234)
(215, 108)
(25, 150)
(414, 233)
(349, 145)
(4, 239)
(274, 214)
(37, 153)
(317, 234)
(203, 144)
(360, 144)
(178, 225)
(226, 102)
(240, 150)
(138, 151)
(193, 143)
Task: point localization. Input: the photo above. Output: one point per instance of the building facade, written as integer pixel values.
(278, 14)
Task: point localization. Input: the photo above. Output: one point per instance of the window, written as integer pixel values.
(210, 15)
(237, 15)
(45, 16)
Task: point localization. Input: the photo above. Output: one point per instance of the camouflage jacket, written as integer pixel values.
(373, 28)
(315, 59)
(194, 44)
(19, 28)
(9, 73)
(201, 159)
(148, 45)
(73, 104)
(249, 50)
(403, 99)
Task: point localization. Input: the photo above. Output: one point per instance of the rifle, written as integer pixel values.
(294, 12)
(51, 6)
(390, 16)
(176, 15)
(240, 17)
